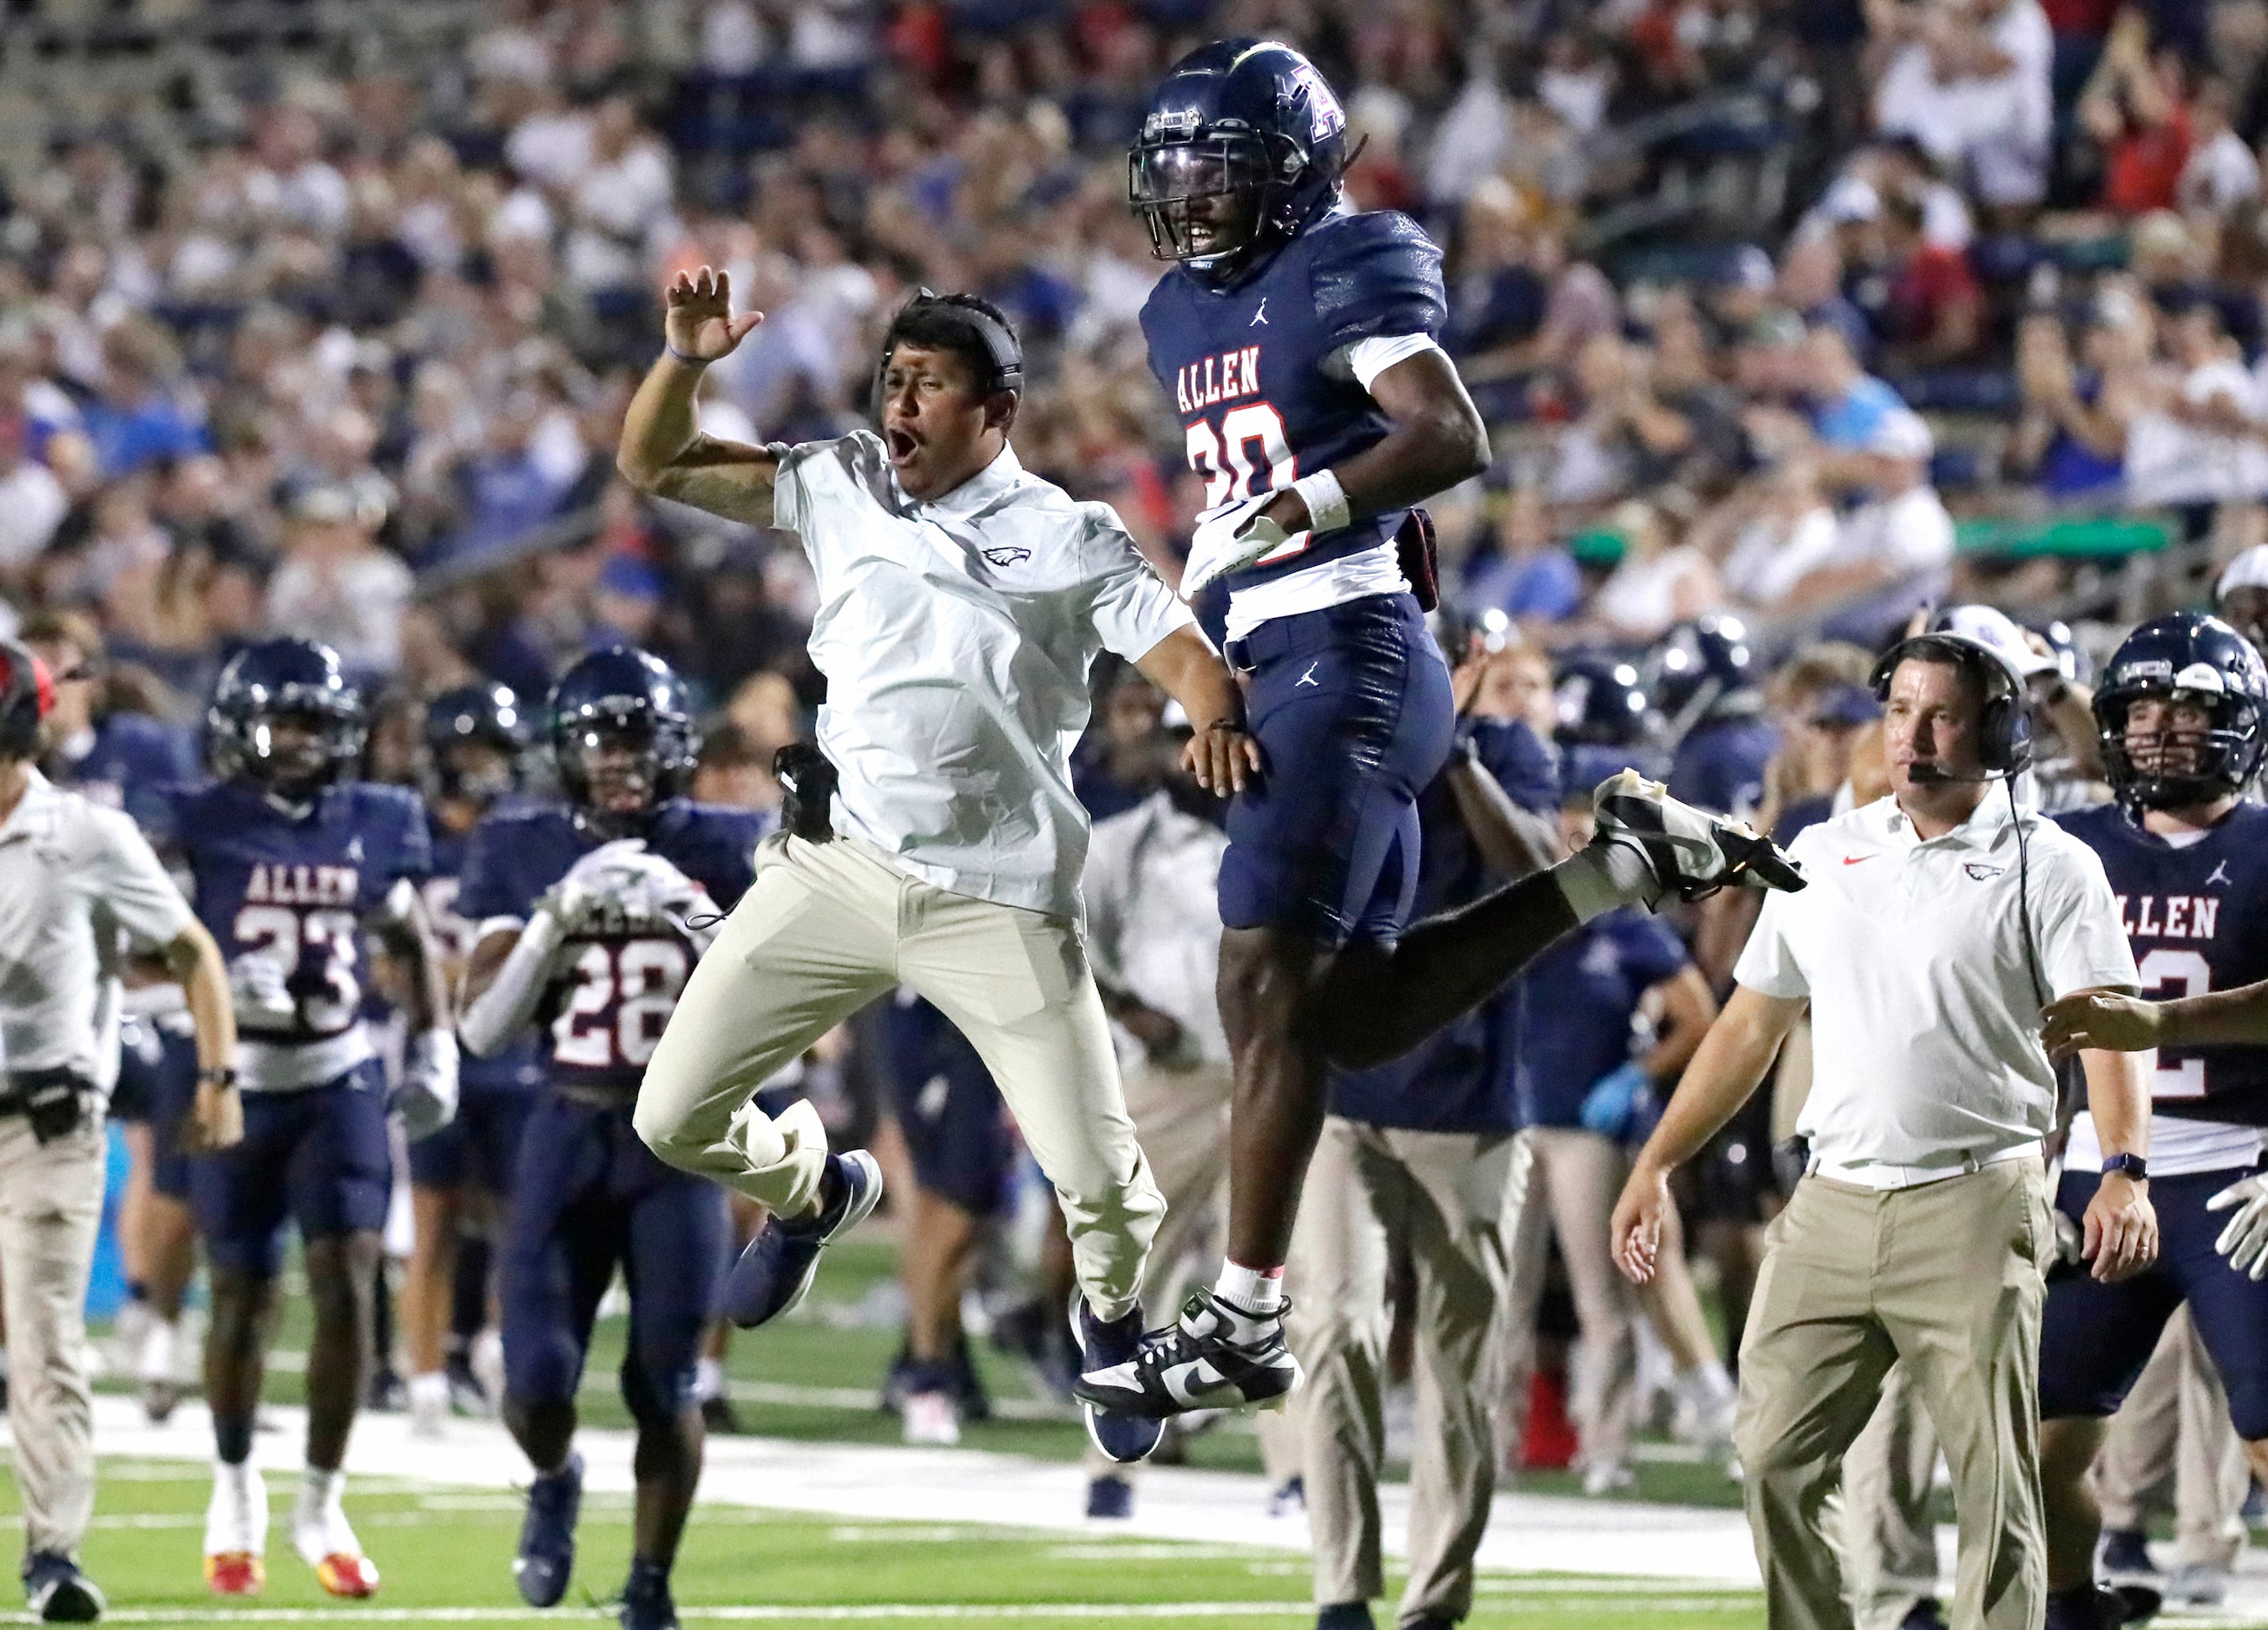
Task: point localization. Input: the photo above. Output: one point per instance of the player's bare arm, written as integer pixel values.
(2114, 1021)
(1726, 1068)
(1513, 842)
(1437, 440)
(663, 451)
(216, 1120)
(2120, 1227)
(1220, 755)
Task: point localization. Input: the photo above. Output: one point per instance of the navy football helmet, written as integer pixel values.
(1600, 703)
(479, 716)
(1247, 121)
(27, 695)
(621, 728)
(1700, 666)
(2199, 659)
(286, 682)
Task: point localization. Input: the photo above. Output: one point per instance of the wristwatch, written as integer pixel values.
(217, 1075)
(2128, 1165)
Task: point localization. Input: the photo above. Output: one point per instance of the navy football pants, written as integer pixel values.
(316, 1156)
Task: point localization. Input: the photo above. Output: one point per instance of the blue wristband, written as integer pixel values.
(691, 362)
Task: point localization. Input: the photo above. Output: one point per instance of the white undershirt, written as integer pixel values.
(1351, 577)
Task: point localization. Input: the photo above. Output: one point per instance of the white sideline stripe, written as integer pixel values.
(794, 1613)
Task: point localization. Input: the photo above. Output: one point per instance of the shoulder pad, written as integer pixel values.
(1374, 275)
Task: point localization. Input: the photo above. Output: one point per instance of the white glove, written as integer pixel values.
(587, 902)
(256, 988)
(1228, 539)
(647, 890)
(427, 1096)
(2245, 1241)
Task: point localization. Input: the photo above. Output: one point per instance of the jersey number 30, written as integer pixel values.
(637, 982)
(1224, 458)
(2192, 976)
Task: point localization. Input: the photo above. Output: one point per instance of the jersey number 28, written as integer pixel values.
(622, 999)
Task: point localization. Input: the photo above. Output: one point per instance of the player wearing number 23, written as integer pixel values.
(590, 915)
(292, 860)
(2183, 712)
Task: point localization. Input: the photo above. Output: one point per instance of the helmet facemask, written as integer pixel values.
(2171, 769)
(299, 744)
(1209, 201)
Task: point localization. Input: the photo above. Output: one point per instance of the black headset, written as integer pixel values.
(2004, 747)
(2004, 733)
(1000, 343)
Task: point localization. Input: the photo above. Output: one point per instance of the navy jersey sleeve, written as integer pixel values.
(1376, 276)
(485, 888)
(390, 823)
(1525, 765)
(1651, 951)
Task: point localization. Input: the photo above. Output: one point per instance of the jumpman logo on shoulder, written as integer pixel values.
(1308, 678)
(1259, 314)
(2219, 875)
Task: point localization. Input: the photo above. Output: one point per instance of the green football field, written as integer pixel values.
(446, 1557)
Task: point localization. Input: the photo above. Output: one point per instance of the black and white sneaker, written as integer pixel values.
(54, 1591)
(1216, 1355)
(1122, 1436)
(1691, 850)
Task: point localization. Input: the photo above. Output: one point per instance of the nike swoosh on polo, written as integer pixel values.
(1854, 859)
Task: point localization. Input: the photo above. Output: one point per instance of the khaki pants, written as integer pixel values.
(1180, 1119)
(1571, 1190)
(1440, 1198)
(1948, 1279)
(1889, 1543)
(826, 929)
(2174, 1427)
(50, 1211)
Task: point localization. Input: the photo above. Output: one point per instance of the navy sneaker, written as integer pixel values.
(646, 1602)
(1925, 1614)
(56, 1590)
(774, 1272)
(2126, 1551)
(1110, 1497)
(2092, 1607)
(1216, 1355)
(1123, 1438)
(1345, 1616)
(547, 1535)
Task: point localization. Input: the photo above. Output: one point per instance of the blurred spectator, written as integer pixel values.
(1530, 577)
(135, 418)
(1893, 551)
(335, 585)
(1970, 84)
(2220, 171)
(1659, 581)
(2071, 437)
(1933, 309)
(2136, 106)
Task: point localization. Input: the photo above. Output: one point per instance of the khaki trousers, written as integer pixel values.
(826, 929)
(1180, 1119)
(1440, 1198)
(2174, 1427)
(1571, 1190)
(1948, 1279)
(50, 1211)
(1889, 1543)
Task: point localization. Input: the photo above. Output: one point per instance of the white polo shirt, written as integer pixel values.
(73, 877)
(1925, 1023)
(956, 637)
(1153, 914)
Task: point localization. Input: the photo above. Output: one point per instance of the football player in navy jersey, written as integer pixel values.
(2183, 714)
(124, 758)
(590, 915)
(1295, 340)
(292, 863)
(476, 739)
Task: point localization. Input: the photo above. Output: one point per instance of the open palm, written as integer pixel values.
(700, 323)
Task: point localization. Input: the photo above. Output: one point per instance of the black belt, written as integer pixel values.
(56, 1100)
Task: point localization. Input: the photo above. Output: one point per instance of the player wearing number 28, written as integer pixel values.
(2184, 716)
(292, 860)
(591, 916)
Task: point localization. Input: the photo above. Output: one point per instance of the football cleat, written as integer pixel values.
(236, 1531)
(646, 1604)
(1103, 1347)
(1109, 1499)
(1215, 1356)
(1693, 853)
(55, 1591)
(773, 1273)
(346, 1574)
(547, 1535)
(235, 1573)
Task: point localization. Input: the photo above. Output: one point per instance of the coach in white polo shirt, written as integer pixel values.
(962, 603)
(1936, 926)
(79, 884)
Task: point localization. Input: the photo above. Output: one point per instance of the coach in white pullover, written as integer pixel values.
(1935, 928)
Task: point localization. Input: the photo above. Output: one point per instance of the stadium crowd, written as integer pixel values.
(1788, 322)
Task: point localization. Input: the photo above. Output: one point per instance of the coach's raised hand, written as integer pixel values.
(699, 325)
